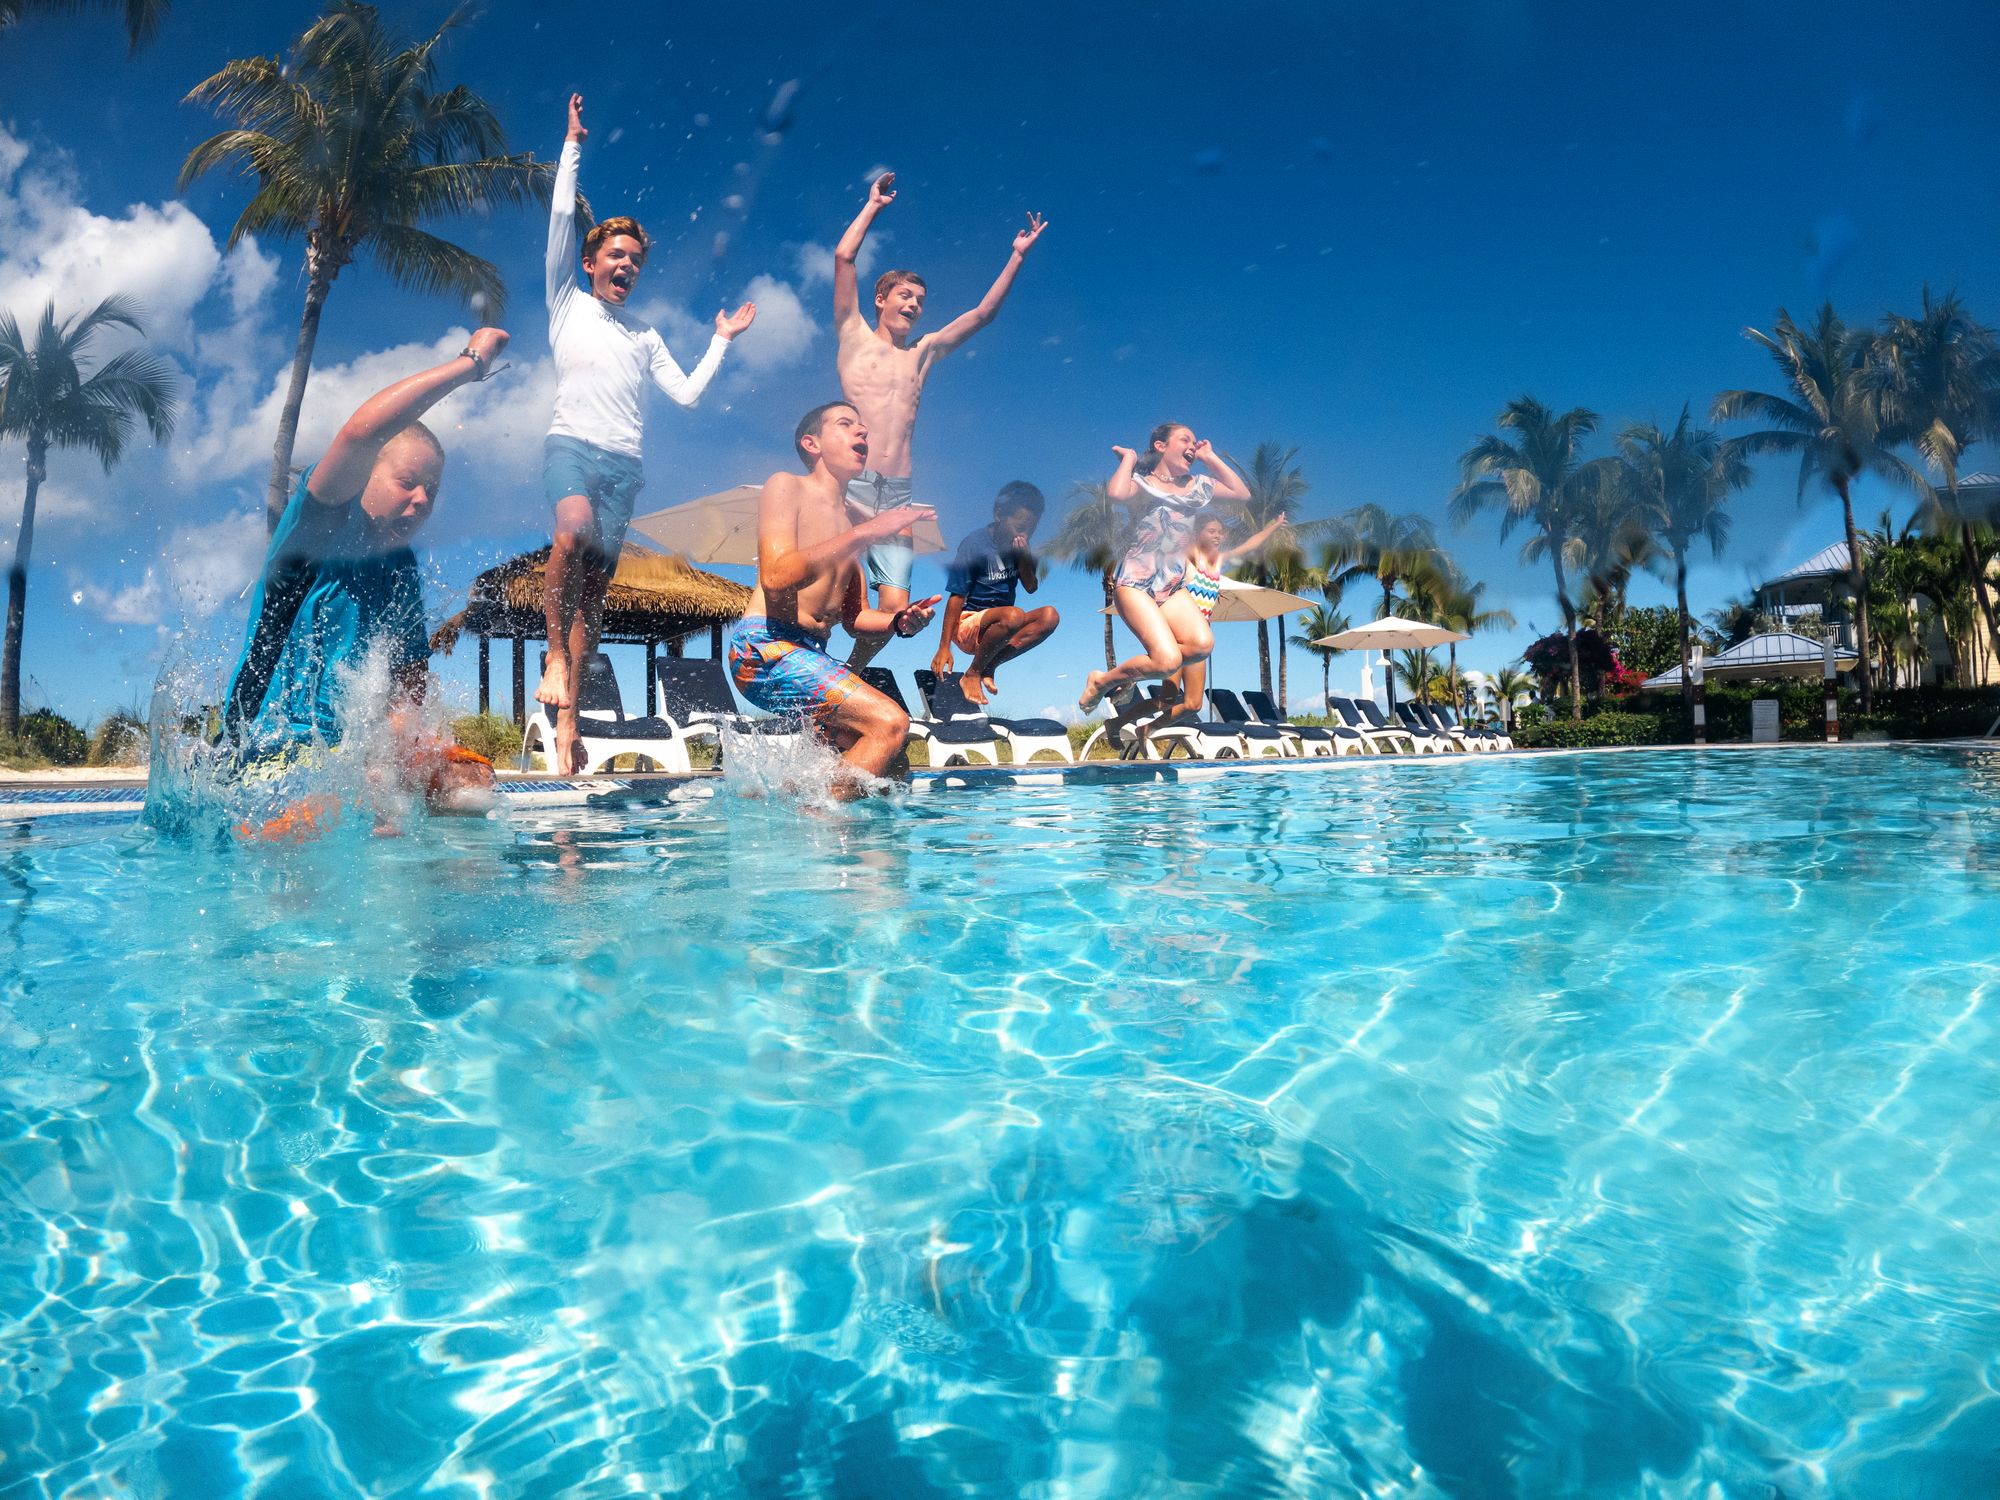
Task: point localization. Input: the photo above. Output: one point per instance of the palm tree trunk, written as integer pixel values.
(1281, 667)
(1857, 578)
(1110, 617)
(1976, 576)
(318, 283)
(1569, 627)
(1264, 656)
(1326, 683)
(1687, 626)
(1388, 668)
(17, 592)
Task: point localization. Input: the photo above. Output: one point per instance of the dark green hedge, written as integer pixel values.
(1903, 714)
(1607, 728)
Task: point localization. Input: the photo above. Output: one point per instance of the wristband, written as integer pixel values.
(478, 360)
(896, 626)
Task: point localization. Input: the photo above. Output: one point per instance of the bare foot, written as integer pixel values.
(991, 685)
(974, 687)
(1093, 690)
(569, 751)
(554, 690)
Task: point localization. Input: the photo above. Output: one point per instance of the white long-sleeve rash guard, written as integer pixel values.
(603, 353)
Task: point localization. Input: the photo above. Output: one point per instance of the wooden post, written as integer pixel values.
(1832, 695)
(485, 673)
(715, 640)
(652, 682)
(520, 679)
(1700, 698)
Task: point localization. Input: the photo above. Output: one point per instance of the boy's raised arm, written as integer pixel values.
(966, 324)
(846, 286)
(343, 472)
(560, 271)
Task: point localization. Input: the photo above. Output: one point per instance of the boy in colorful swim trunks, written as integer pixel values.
(980, 616)
(809, 579)
(590, 460)
(340, 578)
(882, 371)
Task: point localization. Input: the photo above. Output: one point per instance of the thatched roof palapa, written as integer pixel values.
(654, 596)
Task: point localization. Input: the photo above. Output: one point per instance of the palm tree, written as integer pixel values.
(1684, 480)
(1321, 620)
(1533, 479)
(1935, 379)
(1459, 609)
(1287, 569)
(1093, 537)
(46, 400)
(142, 17)
(1510, 685)
(1277, 485)
(353, 147)
(1614, 536)
(1831, 421)
(1369, 542)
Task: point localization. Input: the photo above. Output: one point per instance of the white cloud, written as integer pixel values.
(58, 250)
(136, 604)
(209, 566)
(783, 332)
(815, 261)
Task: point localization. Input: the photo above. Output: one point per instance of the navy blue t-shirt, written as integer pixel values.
(983, 573)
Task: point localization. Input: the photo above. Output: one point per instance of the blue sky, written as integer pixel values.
(1329, 226)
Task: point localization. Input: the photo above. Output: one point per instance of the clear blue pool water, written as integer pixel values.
(1615, 1125)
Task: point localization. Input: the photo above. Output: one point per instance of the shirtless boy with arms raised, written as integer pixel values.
(809, 579)
(882, 371)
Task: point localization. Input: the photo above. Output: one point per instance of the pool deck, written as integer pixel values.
(123, 796)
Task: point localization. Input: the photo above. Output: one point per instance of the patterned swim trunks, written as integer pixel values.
(785, 670)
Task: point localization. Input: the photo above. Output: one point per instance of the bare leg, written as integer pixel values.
(1160, 658)
(870, 733)
(592, 575)
(1003, 638)
(868, 647)
(576, 527)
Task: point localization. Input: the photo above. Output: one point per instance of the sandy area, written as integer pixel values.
(76, 776)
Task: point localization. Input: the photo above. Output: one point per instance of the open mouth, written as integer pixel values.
(622, 280)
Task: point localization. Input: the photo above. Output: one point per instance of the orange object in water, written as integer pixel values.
(307, 818)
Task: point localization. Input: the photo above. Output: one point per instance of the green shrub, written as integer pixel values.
(118, 740)
(1529, 716)
(47, 733)
(494, 736)
(1607, 728)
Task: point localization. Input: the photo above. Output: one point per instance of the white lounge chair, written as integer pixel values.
(1376, 733)
(1334, 739)
(1027, 738)
(951, 742)
(695, 699)
(604, 729)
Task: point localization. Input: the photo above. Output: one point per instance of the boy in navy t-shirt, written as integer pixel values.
(980, 616)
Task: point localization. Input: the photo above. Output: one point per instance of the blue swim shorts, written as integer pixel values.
(609, 481)
(890, 563)
(785, 670)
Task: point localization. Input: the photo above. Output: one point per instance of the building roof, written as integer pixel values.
(1777, 653)
(1828, 562)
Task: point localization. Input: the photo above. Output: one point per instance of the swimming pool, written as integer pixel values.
(1585, 1125)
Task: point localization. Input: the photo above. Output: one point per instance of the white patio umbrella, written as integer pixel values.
(1392, 634)
(722, 528)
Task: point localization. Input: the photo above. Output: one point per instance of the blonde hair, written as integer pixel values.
(623, 224)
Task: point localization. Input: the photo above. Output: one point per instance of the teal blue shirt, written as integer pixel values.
(326, 596)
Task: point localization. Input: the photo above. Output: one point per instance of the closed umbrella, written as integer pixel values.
(722, 528)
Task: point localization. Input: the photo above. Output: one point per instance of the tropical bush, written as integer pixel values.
(494, 736)
(46, 733)
(1608, 728)
(1647, 641)
(118, 740)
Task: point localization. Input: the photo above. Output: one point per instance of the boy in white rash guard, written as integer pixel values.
(590, 459)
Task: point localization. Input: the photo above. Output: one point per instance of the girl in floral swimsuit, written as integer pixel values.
(1166, 495)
